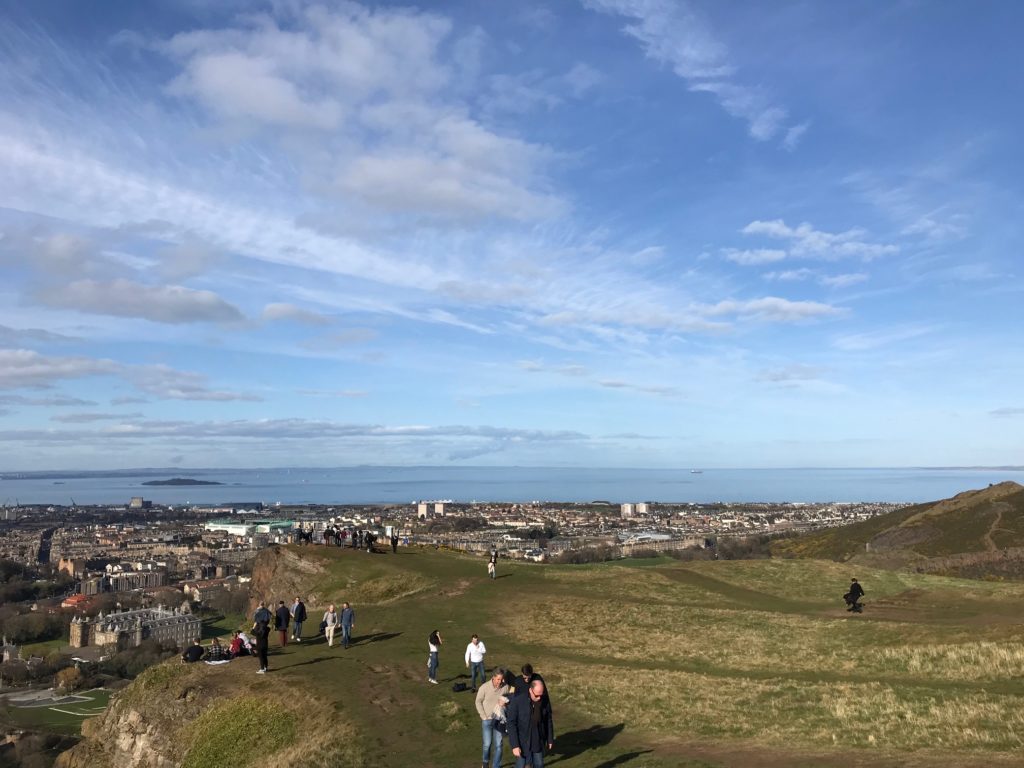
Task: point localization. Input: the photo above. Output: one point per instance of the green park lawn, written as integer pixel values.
(64, 718)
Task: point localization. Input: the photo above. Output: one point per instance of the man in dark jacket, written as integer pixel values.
(282, 617)
(298, 617)
(853, 597)
(193, 653)
(520, 684)
(348, 620)
(531, 729)
(261, 629)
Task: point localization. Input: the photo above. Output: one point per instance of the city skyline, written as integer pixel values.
(630, 233)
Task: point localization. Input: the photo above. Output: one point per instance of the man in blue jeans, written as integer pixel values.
(475, 655)
(490, 705)
(298, 617)
(531, 729)
(348, 620)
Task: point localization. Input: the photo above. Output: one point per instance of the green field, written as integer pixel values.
(65, 718)
(650, 664)
(223, 626)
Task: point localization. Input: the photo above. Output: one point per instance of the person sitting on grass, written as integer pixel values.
(193, 653)
(216, 651)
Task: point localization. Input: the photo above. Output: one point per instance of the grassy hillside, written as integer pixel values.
(975, 522)
(651, 664)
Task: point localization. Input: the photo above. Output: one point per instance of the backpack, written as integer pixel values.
(458, 687)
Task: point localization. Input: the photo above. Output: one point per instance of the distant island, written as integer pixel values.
(181, 481)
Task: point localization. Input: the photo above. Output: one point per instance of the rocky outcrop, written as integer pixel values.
(281, 573)
(141, 727)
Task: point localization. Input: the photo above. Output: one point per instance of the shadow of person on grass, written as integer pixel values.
(623, 758)
(317, 660)
(379, 637)
(573, 743)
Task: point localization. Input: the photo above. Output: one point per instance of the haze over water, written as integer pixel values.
(367, 485)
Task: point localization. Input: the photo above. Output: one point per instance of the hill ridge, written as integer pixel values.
(977, 533)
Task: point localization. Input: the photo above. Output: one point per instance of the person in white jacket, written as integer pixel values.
(475, 656)
(331, 622)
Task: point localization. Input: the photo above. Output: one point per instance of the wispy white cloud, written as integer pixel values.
(843, 281)
(808, 242)
(790, 373)
(52, 401)
(863, 342)
(1003, 413)
(88, 418)
(290, 312)
(791, 275)
(773, 309)
(674, 35)
(330, 393)
(371, 84)
(795, 135)
(13, 337)
(22, 368)
(26, 368)
(754, 257)
(125, 298)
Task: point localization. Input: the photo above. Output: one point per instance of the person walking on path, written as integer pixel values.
(298, 617)
(331, 622)
(261, 629)
(490, 702)
(475, 656)
(531, 728)
(348, 620)
(394, 543)
(490, 568)
(520, 684)
(434, 646)
(282, 618)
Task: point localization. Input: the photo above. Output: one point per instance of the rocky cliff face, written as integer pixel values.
(199, 716)
(141, 727)
(281, 573)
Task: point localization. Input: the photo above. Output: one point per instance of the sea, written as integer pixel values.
(403, 485)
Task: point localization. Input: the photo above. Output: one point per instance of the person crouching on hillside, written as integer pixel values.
(853, 597)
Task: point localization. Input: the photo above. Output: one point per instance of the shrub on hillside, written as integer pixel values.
(599, 554)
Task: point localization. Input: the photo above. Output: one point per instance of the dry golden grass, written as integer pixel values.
(965, 661)
(783, 712)
(751, 641)
(825, 582)
(627, 585)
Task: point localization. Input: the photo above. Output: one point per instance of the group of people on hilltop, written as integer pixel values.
(289, 621)
(508, 704)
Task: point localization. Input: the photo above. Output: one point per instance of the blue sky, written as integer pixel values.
(599, 233)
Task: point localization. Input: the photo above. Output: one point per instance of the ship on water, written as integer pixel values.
(696, 471)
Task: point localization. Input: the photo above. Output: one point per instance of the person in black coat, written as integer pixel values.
(853, 596)
(261, 629)
(531, 729)
(282, 618)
